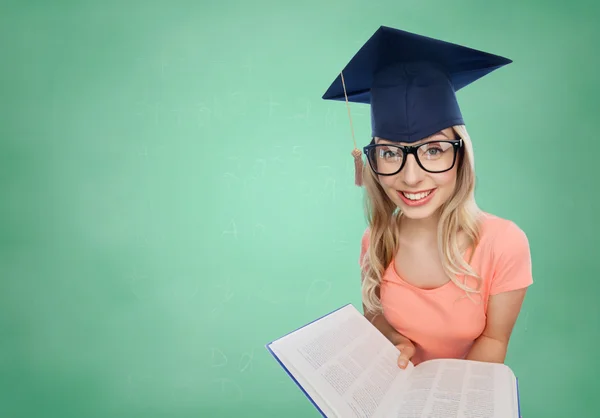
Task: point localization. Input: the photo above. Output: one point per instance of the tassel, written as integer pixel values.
(356, 153)
(358, 167)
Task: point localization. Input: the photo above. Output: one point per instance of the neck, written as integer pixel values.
(420, 229)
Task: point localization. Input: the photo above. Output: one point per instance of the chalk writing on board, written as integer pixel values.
(217, 358)
(277, 158)
(329, 188)
(235, 163)
(232, 229)
(178, 112)
(224, 295)
(306, 111)
(259, 230)
(317, 290)
(163, 64)
(231, 180)
(259, 168)
(272, 105)
(144, 152)
(331, 116)
(229, 388)
(245, 361)
(339, 245)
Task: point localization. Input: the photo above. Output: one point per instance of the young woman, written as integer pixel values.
(440, 277)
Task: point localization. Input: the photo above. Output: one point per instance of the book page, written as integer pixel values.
(458, 389)
(347, 361)
(307, 387)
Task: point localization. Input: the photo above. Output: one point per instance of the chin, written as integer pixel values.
(417, 213)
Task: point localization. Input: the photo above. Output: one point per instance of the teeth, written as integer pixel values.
(417, 196)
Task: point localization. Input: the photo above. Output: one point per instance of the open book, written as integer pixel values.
(347, 368)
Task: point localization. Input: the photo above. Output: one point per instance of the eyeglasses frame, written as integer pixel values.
(407, 150)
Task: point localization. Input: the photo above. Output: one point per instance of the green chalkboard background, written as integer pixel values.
(175, 194)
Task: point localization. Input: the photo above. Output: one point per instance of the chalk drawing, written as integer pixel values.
(304, 115)
(272, 105)
(246, 361)
(259, 230)
(230, 389)
(217, 358)
(163, 64)
(330, 187)
(331, 116)
(305, 189)
(226, 295)
(317, 290)
(144, 152)
(339, 245)
(233, 230)
(232, 181)
(235, 165)
(278, 151)
(178, 112)
(259, 168)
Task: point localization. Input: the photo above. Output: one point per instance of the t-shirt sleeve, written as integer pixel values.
(513, 269)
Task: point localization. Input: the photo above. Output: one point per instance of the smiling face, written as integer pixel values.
(418, 193)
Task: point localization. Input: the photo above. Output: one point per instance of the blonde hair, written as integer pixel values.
(459, 213)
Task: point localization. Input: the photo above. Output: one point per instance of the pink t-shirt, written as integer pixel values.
(443, 322)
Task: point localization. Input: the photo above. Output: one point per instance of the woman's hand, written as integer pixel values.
(406, 346)
(407, 350)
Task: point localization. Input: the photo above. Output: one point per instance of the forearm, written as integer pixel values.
(488, 349)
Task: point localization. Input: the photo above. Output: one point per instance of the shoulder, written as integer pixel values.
(364, 245)
(503, 235)
(509, 253)
(365, 237)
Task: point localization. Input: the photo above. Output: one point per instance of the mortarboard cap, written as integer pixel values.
(410, 82)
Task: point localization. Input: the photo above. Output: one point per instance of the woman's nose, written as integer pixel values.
(413, 173)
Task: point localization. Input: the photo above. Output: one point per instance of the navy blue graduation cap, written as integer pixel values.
(410, 82)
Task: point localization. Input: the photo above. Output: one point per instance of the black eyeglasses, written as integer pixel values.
(436, 156)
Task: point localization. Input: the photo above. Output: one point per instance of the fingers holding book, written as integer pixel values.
(407, 350)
